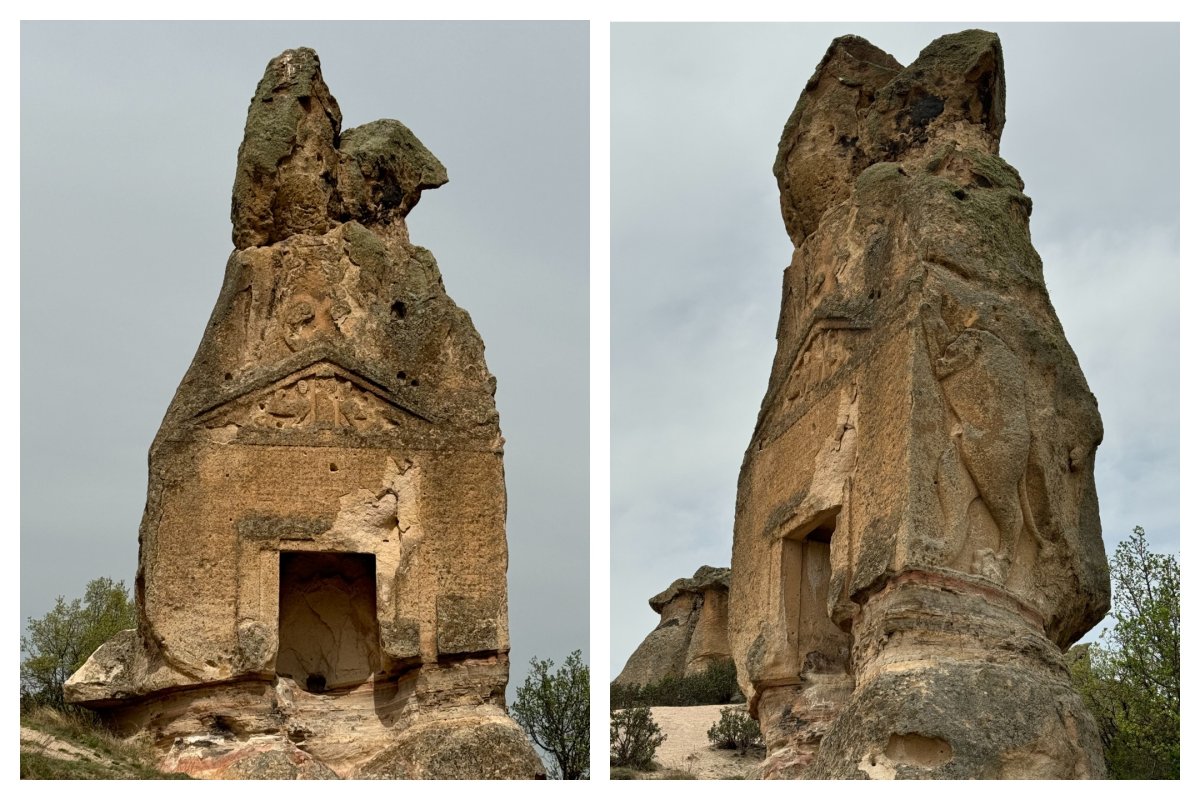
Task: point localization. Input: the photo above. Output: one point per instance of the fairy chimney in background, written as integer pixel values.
(692, 632)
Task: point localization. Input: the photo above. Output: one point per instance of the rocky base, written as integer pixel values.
(467, 749)
(399, 728)
(1005, 706)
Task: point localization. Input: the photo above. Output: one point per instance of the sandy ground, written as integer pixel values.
(687, 748)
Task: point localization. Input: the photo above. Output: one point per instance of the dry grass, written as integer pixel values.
(59, 745)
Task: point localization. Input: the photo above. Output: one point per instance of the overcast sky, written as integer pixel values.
(129, 137)
(698, 252)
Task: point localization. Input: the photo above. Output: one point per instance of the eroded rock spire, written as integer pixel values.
(321, 578)
(917, 537)
(692, 632)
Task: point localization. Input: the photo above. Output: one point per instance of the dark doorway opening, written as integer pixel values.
(328, 630)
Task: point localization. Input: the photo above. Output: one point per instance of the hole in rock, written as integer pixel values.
(916, 750)
(333, 467)
(401, 375)
(328, 631)
(399, 310)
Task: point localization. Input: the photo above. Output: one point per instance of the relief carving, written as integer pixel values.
(321, 398)
(827, 349)
(321, 403)
(983, 385)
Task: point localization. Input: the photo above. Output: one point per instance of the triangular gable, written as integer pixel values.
(322, 395)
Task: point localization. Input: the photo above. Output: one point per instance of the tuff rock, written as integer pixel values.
(917, 537)
(692, 632)
(321, 578)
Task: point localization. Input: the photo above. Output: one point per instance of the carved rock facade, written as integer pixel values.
(692, 634)
(321, 580)
(917, 536)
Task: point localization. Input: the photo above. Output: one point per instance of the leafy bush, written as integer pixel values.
(633, 738)
(717, 684)
(1130, 678)
(735, 731)
(61, 641)
(553, 708)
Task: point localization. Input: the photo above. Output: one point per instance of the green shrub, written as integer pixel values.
(61, 641)
(1130, 678)
(717, 684)
(735, 731)
(633, 738)
(553, 708)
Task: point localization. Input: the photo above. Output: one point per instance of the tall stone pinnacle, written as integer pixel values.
(917, 536)
(299, 173)
(321, 579)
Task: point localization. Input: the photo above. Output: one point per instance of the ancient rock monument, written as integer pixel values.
(693, 631)
(321, 582)
(917, 535)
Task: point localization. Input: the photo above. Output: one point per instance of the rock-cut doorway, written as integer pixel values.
(328, 629)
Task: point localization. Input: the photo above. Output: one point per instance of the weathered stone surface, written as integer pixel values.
(383, 170)
(115, 671)
(917, 535)
(284, 175)
(448, 751)
(323, 557)
(692, 632)
(259, 758)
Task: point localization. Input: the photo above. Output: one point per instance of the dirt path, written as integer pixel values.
(687, 748)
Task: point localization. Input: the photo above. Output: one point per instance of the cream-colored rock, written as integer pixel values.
(692, 632)
(917, 536)
(323, 556)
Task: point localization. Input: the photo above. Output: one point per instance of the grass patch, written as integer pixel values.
(114, 758)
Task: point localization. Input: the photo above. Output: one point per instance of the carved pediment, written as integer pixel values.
(321, 397)
(824, 351)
